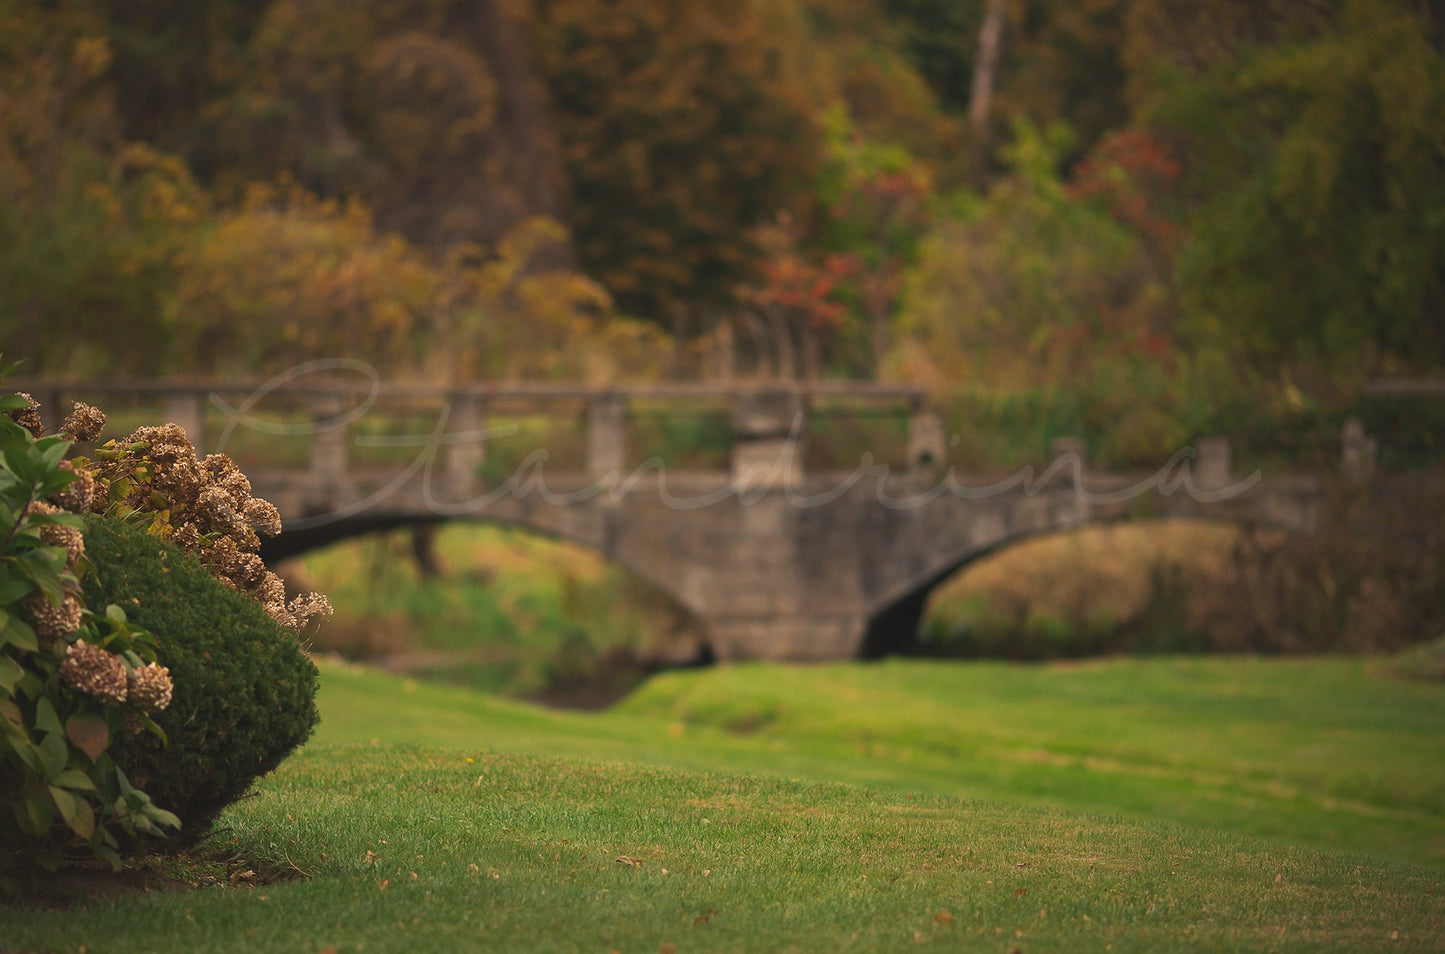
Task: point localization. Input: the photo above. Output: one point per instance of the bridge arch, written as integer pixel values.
(894, 626)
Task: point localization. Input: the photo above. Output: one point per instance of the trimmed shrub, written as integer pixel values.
(244, 687)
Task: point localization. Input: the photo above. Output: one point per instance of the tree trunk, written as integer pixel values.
(985, 72)
(423, 550)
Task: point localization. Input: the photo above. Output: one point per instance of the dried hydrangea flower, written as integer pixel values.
(179, 477)
(271, 589)
(150, 687)
(238, 485)
(263, 516)
(186, 536)
(28, 417)
(308, 605)
(95, 672)
(219, 466)
(51, 621)
(80, 495)
(165, 440)
(276, 609)
(84, 422)
(56, 535)
(215, 506)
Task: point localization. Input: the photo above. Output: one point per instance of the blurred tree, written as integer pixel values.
(1053, 61)
(1162, 37)
(428, 109)
(1317, 177)
(92, 228)
(941, 37)
(874, 207)
(683, 128)
(1048, 291)
(175, 65)
(858, 55)
(794, 316)
(1065, 64)
(288, 277)
(1007, 292)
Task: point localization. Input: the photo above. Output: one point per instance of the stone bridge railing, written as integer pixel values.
(763, 420)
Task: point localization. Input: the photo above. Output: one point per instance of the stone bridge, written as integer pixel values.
(780, 551)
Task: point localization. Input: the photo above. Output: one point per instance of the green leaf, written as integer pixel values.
(108, 854)
(29, 753)
(16, 632)
(45, 567)
(54, 754)
(12, 589)
(73, 520)
(46, 720)
(32, 686)
(75, 780)
(161, 816)
(51, 451)
(154, 729)
(23, 466)
(114, 613)
(11, 673)
(10, 712)
(76, 812)
(34, 815)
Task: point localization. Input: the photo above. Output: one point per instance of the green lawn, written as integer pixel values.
(1166, 804)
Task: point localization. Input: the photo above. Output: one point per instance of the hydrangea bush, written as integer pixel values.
(91, 700)
(154, 478)
(72, 681)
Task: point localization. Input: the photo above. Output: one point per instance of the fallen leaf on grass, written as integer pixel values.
(943, 917)
(236, 876)
(630, 862)
(370, 857)
(384, 884)
(1020, 892)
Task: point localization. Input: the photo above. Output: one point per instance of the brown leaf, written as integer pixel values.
(630, 862)
(943, 917)
(1020, 892)
(88, 733)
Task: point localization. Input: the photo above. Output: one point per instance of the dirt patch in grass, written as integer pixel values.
(81, 884)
